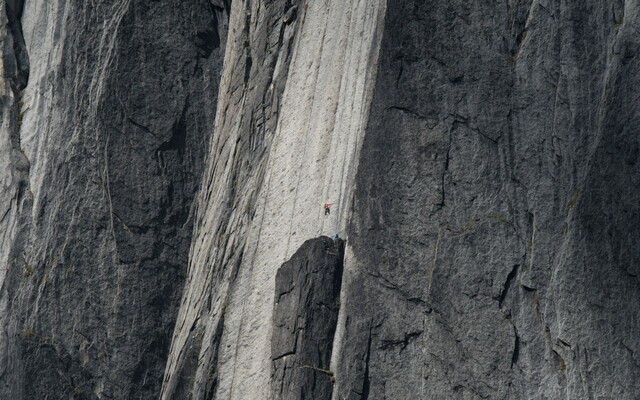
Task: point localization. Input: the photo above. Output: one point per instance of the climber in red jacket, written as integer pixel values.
(327, 209)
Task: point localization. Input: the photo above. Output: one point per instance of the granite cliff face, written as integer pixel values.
(510, 188)
(292, 109)
(104, 136)
(161, 223)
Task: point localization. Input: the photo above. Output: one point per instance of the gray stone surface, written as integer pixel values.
(305, 315)
(259, 51)
(495, 223)
(112, 126)
(294, 98)
(14, 170)
(482, 158)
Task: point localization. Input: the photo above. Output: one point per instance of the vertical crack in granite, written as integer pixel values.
(516, 348)
(507, 284)
(304, 321)
(13, 9)
(366, 382)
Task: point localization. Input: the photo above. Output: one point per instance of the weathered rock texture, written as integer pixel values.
(294, 99)
(481, 159)
(305, 315)
(107, 110)
(14, 170)
(494, 246)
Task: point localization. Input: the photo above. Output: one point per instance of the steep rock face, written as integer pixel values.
(107, 144)
(294, 99)
(304, 321)
(481, 160)
(14, 169)
(493, 251)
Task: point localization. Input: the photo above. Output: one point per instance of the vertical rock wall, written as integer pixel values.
(481, 160)
(14, 169)
(107, 144)
(294, 99)
(493, 251)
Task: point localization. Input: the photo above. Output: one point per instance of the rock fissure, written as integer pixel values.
(516, 348)
(507, 284)
(408, 338)
(409, 112)
(366, 382)
(14, 10)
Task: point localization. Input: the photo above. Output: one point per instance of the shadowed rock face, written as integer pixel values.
(113, 126)
(495, 223)
(304, 321)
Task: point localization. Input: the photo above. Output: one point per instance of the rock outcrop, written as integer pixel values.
(305, 314)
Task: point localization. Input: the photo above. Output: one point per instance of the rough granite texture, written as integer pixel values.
(495, 242)
(14, 172)
(305, 314)
(107, 143)
(481, 159)
(294, 98)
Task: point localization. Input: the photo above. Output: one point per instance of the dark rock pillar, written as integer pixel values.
(304, 320)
